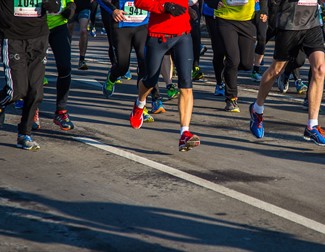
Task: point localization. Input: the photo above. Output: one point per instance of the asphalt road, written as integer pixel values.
(107, 187)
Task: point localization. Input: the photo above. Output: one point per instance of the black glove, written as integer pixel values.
(69, 10)
(174, 9)
(51, 6)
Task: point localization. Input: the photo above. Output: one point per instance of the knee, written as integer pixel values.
(64, 71)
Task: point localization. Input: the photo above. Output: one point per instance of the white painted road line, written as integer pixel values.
(291, 216)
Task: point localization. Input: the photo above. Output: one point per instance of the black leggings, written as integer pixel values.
(59, 40)
(123, 41)
(217, 48)
(183, 59)
(106, 23)
(261, 28)
(196, 36)
(239, 43)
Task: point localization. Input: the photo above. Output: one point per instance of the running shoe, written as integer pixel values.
(118, 81)
(203, 49)
(301, 86)
(172, 91)
(136, 117)
(25, 142)
(36, 122)
(256, 76)
(45, 81)
(197, 74)
(232, 105)
(103, 31)
(220, 90)
(61, 118)
(146, 116)
(315, 134)
(2, 117)
(93, 32)
(82, 65)
(108, 88)
(157, 107)
(256, 123)
(283, 83)
(188, 141)
(19, 104)
(128, 75)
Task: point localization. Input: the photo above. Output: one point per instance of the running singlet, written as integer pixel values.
(298, 15)
(237, 10)
(54, 20)
(134, 16)
(26, 19)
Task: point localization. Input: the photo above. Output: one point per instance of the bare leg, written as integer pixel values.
(268, 79)
(316, 85)
(185, 106)
(83, 41)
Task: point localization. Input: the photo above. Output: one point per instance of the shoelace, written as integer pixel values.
(63, 117)
(259, 119)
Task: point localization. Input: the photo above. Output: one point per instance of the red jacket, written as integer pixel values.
(161, 23)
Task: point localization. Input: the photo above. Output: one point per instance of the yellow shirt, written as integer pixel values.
(240, 12)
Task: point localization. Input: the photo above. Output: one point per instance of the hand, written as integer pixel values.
(69, 10)
(192, 13)
(263, 17)
(174, 9)
(51, 6)
(118, 15)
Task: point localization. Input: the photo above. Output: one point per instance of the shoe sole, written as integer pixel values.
(33, 148)
(237, 110)
(309, 139)
(65, 129)
(302, 91)
(158, 111)
(190, 144)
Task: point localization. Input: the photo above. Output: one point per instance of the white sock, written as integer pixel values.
(141, 104)
(184, 128)
(258, 109)
(311, 123)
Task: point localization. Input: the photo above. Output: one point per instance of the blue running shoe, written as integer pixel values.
(157, 107)
(25, 142)
(128, 75)
(256, 124)
(108, 88)
(220, 90)
(315, 134)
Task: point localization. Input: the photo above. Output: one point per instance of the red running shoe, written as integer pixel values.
(188, 141)
(136, 117)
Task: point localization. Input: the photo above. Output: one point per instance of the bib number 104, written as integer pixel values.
(28, 3)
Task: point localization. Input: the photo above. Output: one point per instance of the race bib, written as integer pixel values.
(27, 8)
(236, 2)
(134, 15)
(307, 2)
